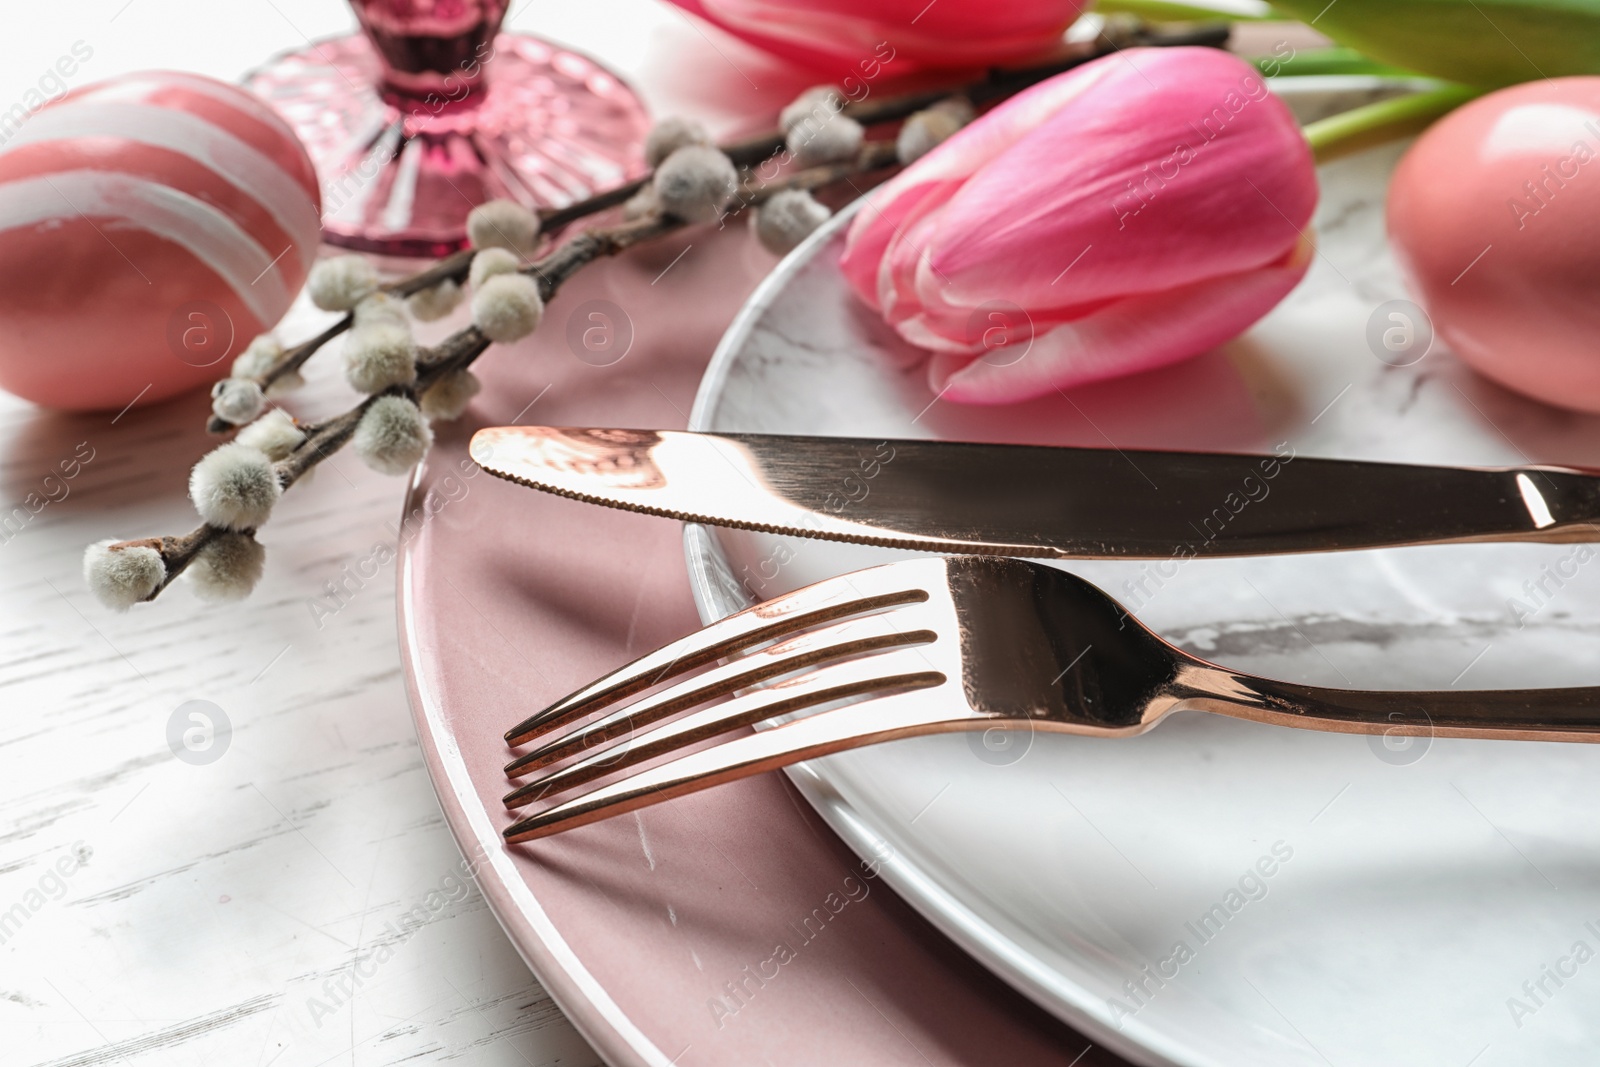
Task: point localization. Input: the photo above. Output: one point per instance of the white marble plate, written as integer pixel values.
(1430, 903)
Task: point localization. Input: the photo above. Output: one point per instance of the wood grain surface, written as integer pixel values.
(292, 897)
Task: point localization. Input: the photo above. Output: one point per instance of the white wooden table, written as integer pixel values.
(234, 912)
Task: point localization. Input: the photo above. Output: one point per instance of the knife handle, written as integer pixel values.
(1563, 503)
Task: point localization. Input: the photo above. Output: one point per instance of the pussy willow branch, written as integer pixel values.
(460, 349)
(751, 151)
(452, 268)
(322, 440)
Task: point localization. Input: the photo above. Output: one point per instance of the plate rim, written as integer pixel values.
(1003, 956)
(555, 965)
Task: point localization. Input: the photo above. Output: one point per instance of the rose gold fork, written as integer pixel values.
(929, 646)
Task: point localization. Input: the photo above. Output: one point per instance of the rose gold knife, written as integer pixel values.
(1025, 500)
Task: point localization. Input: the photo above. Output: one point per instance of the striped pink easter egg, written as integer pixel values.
(150, 226)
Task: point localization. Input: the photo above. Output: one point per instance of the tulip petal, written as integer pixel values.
(940, 173)
(1136, 334)
(1213, 177)
(875, 227)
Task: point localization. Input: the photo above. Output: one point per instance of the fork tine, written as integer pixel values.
(869, 722)
(848, 637)
(819, 603)
(904, 669)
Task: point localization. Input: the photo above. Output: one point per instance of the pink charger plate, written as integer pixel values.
(642, 925)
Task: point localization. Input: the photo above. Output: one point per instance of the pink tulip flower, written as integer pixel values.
(856, 36)
(1125, 215)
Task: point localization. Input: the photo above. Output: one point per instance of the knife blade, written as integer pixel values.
(1041, 501)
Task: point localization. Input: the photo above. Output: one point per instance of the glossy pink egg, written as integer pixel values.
(150, 226)
(1494, 215)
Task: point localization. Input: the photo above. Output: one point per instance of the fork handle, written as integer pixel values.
(1571, 714)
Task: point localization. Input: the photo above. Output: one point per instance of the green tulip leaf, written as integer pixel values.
(1310, 62)
(1479, 42)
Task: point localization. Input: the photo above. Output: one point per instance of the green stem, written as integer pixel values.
(1315, 61)
(1177, 11)
(1387, 120)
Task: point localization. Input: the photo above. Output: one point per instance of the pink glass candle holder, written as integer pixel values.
(430, 110)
